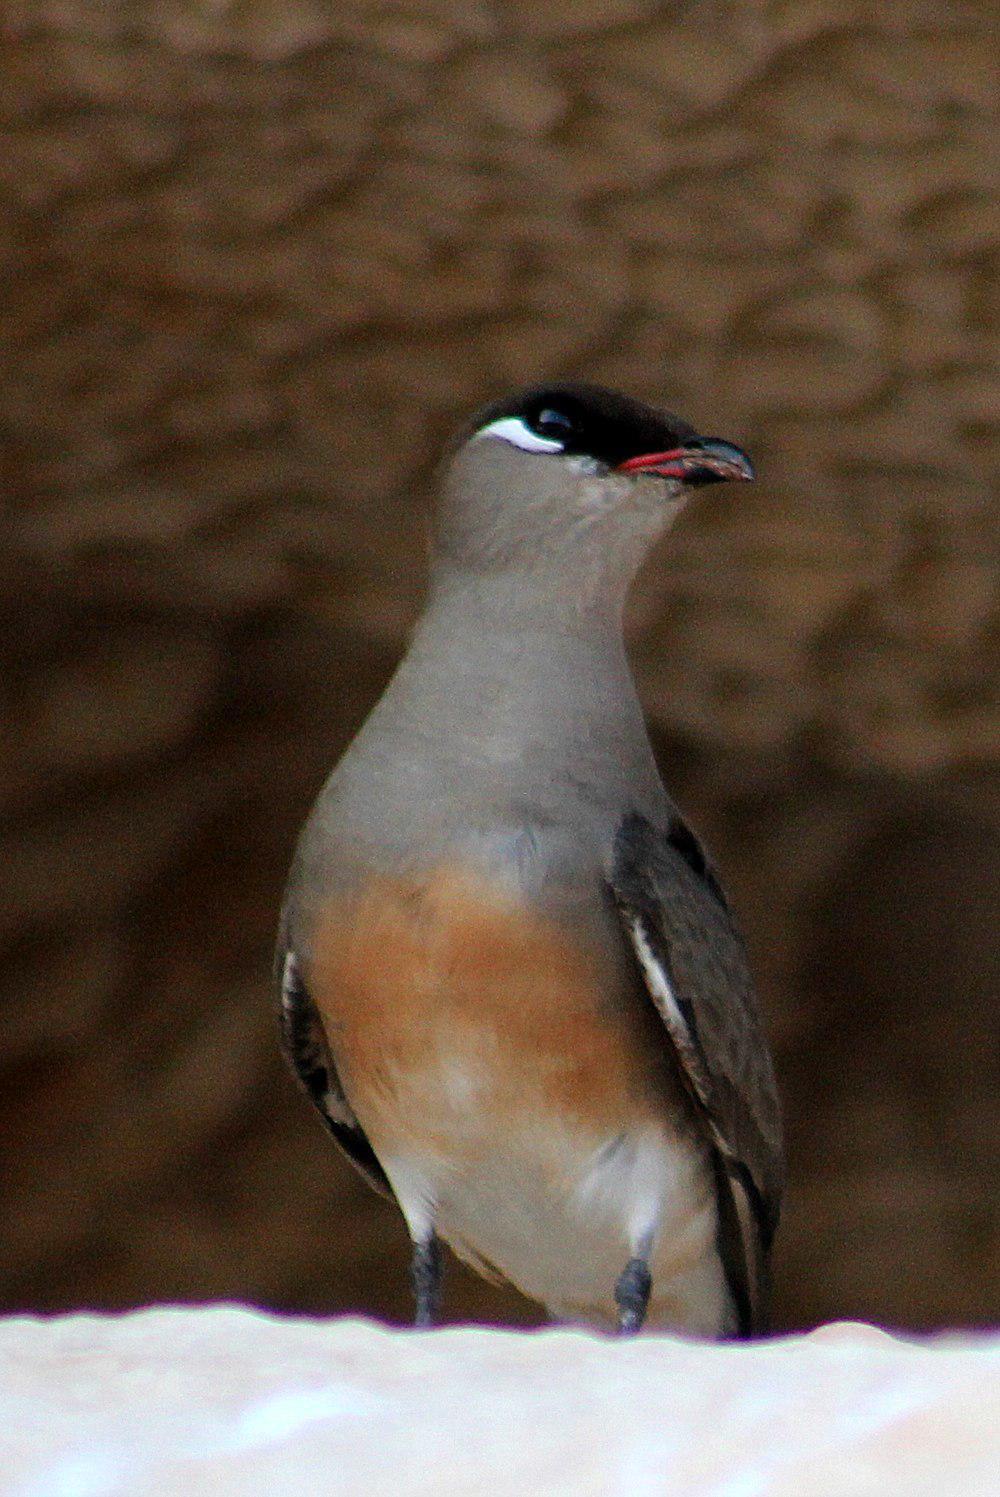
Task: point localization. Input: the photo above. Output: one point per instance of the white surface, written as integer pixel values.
(223, 1400)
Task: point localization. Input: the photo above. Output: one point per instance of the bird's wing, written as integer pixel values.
(694, 967)
(308, 1054)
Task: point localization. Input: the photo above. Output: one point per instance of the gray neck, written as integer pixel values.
(523, 696)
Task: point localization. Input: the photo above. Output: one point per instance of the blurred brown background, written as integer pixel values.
(257, 258)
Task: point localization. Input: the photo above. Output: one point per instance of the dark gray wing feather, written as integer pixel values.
(307, 1052)
(695, 970)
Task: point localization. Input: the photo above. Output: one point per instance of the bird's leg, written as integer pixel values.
(425, 1272)
(632, 1295)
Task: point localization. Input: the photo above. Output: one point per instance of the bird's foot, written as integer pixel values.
(425, 1272)
(632, 1295)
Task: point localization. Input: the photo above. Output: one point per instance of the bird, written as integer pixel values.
(510, 979)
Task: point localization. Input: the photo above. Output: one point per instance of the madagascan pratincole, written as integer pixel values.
(510, 978)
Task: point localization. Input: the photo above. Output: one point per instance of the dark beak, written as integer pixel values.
(701, 460)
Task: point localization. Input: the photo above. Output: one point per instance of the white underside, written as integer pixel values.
(559, 1212)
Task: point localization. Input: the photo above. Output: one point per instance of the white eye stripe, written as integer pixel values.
(512, 429)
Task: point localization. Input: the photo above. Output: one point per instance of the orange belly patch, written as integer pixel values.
(447, 1002)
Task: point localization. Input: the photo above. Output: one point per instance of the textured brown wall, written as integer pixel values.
(256, 259)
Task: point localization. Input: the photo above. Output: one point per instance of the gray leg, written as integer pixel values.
(632, 1295)
(425, 1272)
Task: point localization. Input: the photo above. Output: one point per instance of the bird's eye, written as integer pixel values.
(552, 423)
(516, 431)
(544, 429)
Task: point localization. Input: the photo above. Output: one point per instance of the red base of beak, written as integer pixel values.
(709, 460)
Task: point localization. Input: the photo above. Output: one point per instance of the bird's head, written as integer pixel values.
(572, 477)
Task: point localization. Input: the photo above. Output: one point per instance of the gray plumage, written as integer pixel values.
(511, 743)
